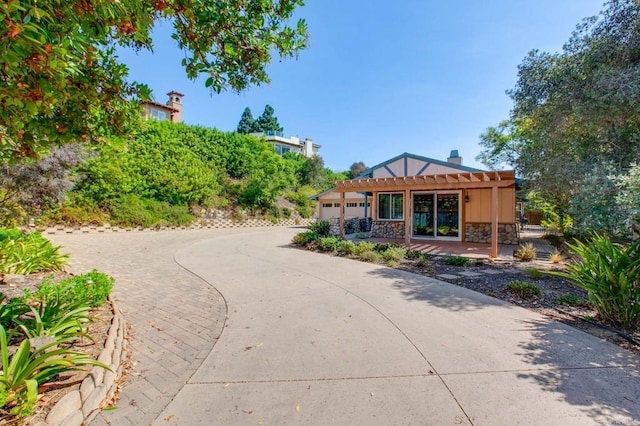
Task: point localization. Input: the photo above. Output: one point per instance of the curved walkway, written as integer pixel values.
(315, 339)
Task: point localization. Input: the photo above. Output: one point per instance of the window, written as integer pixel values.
(327, 205)
(336, 204)
(362, 204)
(158, 115)
(391, 206)
(281, 149)
(352, 204)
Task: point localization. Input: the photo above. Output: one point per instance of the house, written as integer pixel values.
(293, 143)
(412, 197)
(171, 111)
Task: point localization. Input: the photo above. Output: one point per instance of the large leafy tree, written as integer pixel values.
(268, 122)
(61, 81)
(576, 111)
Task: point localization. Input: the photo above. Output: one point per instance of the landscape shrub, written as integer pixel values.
(363, 247)
(556, 256)
(75, 212)
(10, 312)
(91, 289)
(304, 238)
(526, 253)
(305, 211)
(394, 254)
(347, 247)
(414, 254)
(523, 289)
(131, 210)
(370, 256)
(28, 368)
(27, 253)
(382, 247)
(329, 243)
(57, 310)
(610, 273)
(321, 227)
(457, 261)
(54, 317)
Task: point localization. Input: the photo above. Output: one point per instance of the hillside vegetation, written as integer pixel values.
(163, 173)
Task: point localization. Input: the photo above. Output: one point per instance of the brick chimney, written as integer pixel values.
(454, 158)
(175, 102)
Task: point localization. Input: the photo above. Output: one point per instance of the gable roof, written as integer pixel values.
(427, 160)
(368, 172)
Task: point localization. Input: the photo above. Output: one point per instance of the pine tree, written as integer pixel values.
(269, 122)
(247, 123)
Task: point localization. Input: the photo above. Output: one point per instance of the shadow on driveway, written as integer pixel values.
(436, 292)
(602, 379)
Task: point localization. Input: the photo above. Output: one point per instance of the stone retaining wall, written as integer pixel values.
(481, 233)
(81, 406)
(387, 229)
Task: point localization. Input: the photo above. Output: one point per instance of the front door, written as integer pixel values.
(436, 215)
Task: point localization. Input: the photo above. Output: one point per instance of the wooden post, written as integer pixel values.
(407, 218)
(342, 215)
(494, 222)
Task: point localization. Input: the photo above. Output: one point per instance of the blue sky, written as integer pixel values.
(381, 78)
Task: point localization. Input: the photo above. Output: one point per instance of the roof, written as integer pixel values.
(158, 104)
(424, 179)
(370, 170)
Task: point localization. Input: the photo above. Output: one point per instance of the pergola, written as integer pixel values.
(452, 181)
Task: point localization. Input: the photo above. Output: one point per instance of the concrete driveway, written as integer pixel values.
(314, 339)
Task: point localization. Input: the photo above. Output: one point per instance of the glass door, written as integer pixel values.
(423, 213)
(448, 207)
(436, 215)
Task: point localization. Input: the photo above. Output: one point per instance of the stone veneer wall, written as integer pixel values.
(387, 229)
(353, 225)
(481, 233)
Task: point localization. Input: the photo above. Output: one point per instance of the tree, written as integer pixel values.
(356, 169)
(33, 186)
(246, 124)
(575, 111)
(61, 81)
(268, 122)
(313, 172)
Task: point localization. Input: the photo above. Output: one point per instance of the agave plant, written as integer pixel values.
(26, 370)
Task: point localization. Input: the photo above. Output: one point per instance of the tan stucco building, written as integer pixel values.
(171, 111)
(413, 197)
